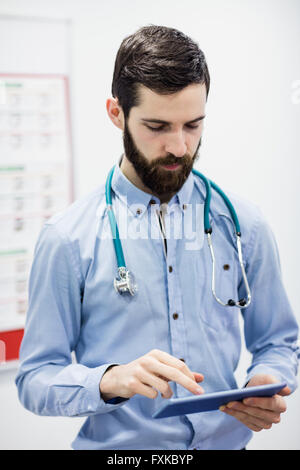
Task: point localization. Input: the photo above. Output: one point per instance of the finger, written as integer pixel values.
(169, 360)
(285, 391)
(275, 403)
(158, 383)
(250, 421)
(264, 415)
(145, 390)
(198, 377)
(177, 376)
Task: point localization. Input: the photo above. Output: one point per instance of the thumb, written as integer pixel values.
(285, 391)
(262, 379)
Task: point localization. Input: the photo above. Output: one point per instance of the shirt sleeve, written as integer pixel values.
(49, 383)
(270, 327)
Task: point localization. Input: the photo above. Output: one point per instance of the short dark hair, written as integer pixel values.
(162, 59)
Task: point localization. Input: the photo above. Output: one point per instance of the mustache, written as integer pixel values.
(171, 160)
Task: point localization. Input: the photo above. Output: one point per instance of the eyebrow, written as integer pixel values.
(159, 121)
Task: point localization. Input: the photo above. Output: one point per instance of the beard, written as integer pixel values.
(159, 180)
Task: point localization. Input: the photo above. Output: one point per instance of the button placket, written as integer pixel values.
(154, 230)
(161, 216)
(177, 326)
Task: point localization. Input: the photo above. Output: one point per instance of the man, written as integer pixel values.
(134, 352)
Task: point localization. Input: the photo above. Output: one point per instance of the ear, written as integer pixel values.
(115, 112)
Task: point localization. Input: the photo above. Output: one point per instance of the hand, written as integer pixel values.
(149, 375)
(259, 413)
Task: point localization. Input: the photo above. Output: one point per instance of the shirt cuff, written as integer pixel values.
(96, 402)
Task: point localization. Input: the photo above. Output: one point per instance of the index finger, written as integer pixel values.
(169, 360)
(275, 403)
(171, 373)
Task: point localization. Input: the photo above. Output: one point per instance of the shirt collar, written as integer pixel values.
(135, 197)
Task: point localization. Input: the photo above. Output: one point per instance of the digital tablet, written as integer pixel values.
(212, 401)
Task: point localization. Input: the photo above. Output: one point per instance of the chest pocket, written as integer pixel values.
(211, 312)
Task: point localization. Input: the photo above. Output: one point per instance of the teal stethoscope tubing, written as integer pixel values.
(113, 222)
(125, 281)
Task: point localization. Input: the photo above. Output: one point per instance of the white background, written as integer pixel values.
(250, 146)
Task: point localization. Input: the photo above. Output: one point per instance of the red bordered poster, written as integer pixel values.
(36, 181)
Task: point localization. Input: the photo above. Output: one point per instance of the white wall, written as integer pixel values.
(251, 142)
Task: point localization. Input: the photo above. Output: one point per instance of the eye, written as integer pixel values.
(161, 128)
(156, 129)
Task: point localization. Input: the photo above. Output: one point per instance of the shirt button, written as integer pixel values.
(226, 267)
(170, 269)
(184, 206)
(175, 316)
(152, 201)
(138, 211)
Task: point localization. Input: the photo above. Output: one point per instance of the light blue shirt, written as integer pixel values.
(73, 307)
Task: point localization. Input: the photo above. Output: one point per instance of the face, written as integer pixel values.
(162, 137)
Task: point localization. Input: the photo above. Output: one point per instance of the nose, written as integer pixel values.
(176, 144)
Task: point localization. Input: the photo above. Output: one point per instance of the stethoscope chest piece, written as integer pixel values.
(125, 282)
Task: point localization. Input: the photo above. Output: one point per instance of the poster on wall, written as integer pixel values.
(36, 181)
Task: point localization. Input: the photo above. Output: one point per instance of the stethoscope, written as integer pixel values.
(125, 281)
